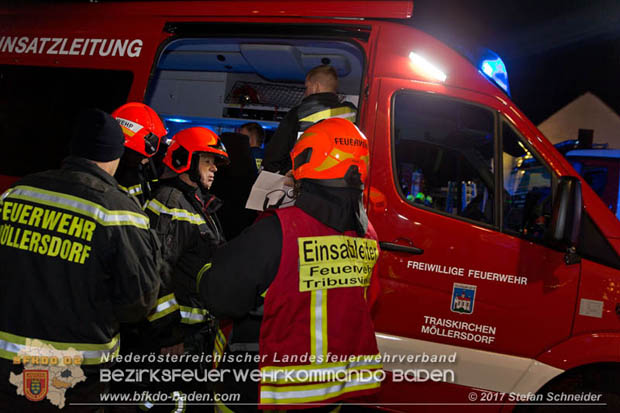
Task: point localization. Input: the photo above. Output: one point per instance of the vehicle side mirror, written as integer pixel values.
(567, 207)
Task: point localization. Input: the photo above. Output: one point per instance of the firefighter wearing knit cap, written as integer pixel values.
(79, 259)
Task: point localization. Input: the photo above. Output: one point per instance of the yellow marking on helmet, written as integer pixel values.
(341, 155)
(127, 131)
(335, 156)
(327, 164)
(364, 158)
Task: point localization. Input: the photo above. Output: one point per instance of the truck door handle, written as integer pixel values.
(390, 246)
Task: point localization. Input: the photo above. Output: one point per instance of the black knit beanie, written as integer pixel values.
(97, 136)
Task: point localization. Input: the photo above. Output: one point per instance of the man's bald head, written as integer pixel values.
(321, 79)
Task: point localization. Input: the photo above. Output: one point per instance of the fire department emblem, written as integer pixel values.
(463, 297)
(35, 384)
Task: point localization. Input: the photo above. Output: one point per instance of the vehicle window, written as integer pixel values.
(602, 176)
(527, 199)
(596, 178)
(443, 153)
(37, 108)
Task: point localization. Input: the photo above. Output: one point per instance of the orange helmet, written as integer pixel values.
(142, 127)
(189, 142)
(334, 151)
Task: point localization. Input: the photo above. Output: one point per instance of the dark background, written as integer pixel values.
(554, 51)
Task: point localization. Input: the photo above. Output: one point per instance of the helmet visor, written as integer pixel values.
(151, 144)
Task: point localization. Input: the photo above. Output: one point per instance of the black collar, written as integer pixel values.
(324, 97)
(75, 163)
(338, 208)
(207, 202)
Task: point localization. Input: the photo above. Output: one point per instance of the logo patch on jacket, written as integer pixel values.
(335, 261)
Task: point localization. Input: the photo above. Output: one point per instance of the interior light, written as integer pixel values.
(178, 120)
(426, 67)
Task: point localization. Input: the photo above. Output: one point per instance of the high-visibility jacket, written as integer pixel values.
(154, 332)
(135, 178)
(311, 110)
(78, 259)
(190, 231)
(317, 341)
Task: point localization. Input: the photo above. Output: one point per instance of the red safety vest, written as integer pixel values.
(317, 342)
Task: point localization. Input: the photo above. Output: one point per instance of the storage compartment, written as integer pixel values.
(224, 83)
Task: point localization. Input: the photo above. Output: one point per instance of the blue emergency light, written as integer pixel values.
(494, 68)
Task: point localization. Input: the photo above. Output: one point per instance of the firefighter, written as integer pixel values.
(182, 213)
(137, 175)
(78, 259)
(320, 102)
(299, 283)
(255, 132)
(143, 131)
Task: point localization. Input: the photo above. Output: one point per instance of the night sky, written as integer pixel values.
(554, 51)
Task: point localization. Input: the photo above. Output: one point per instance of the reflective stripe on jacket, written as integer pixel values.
(312, 109)
(189, 232)
(79, 259)
(14, 347)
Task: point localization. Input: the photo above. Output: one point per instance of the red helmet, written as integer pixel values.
(142, 127)
(333, 151)
(188, 142)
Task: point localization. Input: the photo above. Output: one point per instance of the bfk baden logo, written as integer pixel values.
(48, 373)
(35, 384)
(463, 297)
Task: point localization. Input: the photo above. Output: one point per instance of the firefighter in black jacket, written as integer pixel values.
(78, 259)
(183, 214)
(320, 102)
(137, 176)
(143, 132)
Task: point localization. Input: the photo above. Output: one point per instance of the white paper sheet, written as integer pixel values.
(273, 187)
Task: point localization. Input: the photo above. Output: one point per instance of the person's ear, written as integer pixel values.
(312, 88)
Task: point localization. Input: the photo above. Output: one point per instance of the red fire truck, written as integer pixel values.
(506, 280)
